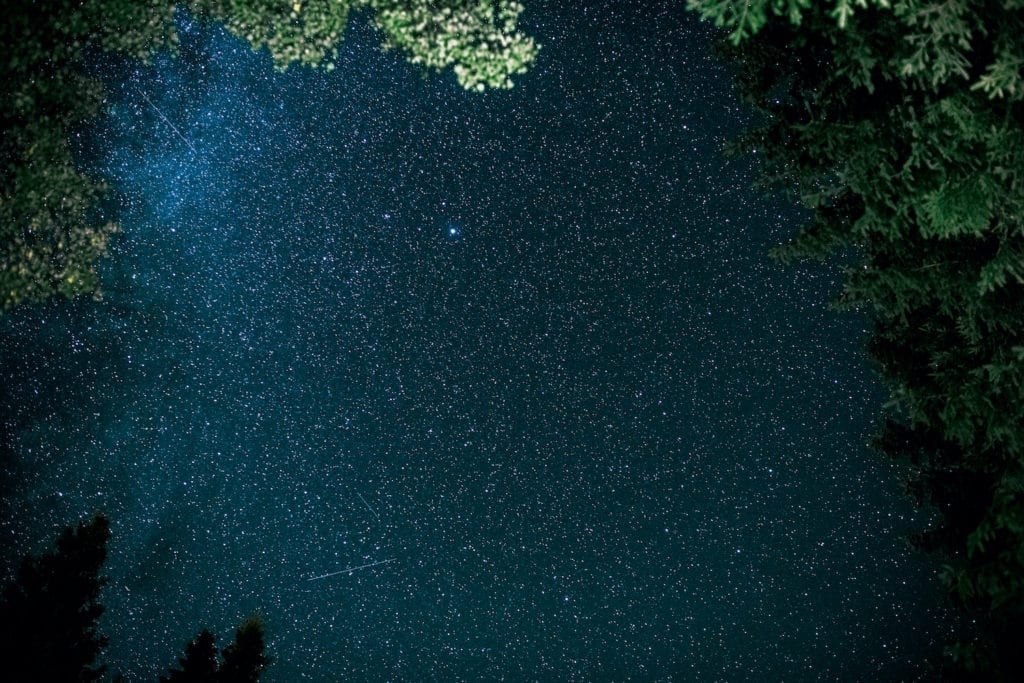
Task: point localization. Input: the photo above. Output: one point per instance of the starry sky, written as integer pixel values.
(522, 351)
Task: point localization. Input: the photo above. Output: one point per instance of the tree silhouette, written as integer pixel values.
(48, 615)
(244, 659)
(48, 621)
(199, 663)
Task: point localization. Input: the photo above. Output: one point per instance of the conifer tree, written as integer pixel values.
(48, 614)
(199, 665)
(244, 660)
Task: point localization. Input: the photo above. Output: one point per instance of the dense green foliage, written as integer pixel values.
(48, 244)
(901, 127)
(50, 236)
(48, 614)
(478, 37)
(480, 40)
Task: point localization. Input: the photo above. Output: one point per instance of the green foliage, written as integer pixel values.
(49, 245)
(902, 129)
(301, 32)
(50, 238)
(48, 242)
(136, 28)
(1002, 78)
(481, 40)
(478, 37)
(745, 18)
(939, 40)
(48, 615)
(939, 37)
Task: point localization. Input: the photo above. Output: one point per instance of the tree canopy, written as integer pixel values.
(900, 126)
(50, 235)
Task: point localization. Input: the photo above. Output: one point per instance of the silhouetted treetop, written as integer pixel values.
(48, 615)
(199, 665)
(244, 660)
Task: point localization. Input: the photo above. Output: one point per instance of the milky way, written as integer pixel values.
(510, 375)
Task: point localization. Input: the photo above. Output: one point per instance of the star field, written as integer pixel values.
(523, 349)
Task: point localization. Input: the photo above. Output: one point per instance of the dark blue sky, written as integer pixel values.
(595, 434)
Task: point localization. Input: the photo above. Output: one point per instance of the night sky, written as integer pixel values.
(524, 349)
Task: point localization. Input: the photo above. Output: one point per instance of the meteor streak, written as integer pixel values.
(352, 569)
(168, 121)
(367, 505)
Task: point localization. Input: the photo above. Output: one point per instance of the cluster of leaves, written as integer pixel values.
(478, 37)
(745, 18)
(48, 620)
(900, 125)
(50, 234)
(47, 242)
(300, 32)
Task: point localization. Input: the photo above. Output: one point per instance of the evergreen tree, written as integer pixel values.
(199, 665)
(48, 620)
(48, 614)
(244, 660)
